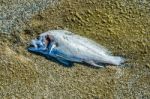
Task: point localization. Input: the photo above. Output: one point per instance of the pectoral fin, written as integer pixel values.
(53, 46)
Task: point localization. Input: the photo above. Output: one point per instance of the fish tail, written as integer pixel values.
(116, 60)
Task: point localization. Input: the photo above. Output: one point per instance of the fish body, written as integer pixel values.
(68, 47)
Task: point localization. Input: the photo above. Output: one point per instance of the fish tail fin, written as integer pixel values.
(116, 60)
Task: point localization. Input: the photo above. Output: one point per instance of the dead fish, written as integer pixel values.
(68, 47)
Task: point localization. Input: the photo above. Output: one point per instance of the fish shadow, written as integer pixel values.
(53, 59)
(70, 63)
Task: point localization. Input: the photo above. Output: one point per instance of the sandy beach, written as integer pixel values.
(121, 26)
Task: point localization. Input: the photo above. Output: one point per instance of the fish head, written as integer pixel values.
(41, 44)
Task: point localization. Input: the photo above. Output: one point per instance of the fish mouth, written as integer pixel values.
(32, 48)
(41, 43)
(36, 46)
